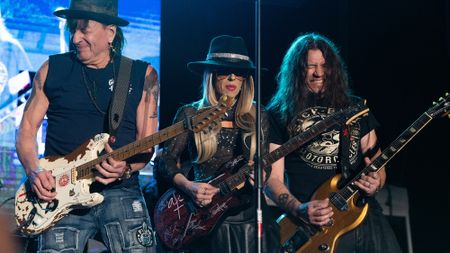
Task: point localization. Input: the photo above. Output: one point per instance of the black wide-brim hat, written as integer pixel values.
(225, 52)
(103, 11)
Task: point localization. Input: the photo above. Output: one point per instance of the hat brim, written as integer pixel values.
(80, 14)
(199, 67)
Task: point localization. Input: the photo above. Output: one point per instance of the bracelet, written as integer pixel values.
(34, 172)
(39, 169)
(127, 173)
(303, 208)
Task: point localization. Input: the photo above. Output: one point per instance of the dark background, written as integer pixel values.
(397, 54)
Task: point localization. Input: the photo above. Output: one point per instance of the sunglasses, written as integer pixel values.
(224, 74)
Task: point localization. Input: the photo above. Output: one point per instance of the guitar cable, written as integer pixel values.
(6, 200)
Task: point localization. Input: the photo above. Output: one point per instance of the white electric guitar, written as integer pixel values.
(75, 172)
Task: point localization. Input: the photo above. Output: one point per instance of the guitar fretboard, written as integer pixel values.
(387, 154)
(300, 139)
(293, 144)
(196, 123)
(85, 171)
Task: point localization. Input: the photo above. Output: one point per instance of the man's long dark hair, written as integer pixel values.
(292, 93)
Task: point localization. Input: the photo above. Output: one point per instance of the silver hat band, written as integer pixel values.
(228, 56)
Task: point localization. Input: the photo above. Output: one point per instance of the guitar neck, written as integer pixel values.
(399, 143)
(85, 171)
(388, 153)
(300, 139)
(291, 145)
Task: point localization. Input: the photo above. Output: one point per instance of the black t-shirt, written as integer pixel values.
(316, 161)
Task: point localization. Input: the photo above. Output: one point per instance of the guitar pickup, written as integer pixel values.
(338, 201)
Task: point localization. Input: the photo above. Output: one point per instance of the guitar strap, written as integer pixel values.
(344, 165)
(344, 156)
(120, 95)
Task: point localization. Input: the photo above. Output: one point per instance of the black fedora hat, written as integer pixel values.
(225, 52)
(103, 11)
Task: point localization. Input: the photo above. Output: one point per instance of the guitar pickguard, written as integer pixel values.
(33, 216)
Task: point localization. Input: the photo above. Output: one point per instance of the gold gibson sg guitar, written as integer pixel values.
(299, 236)
(75, 172)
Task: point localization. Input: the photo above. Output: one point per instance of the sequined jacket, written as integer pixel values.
(230, 145)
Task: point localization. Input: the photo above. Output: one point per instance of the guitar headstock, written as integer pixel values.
(211, 116)
(352, 113)
(441, 107)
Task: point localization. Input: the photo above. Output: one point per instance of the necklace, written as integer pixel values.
(91, 86)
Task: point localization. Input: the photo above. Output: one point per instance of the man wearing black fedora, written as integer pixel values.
(77, 93)
(227, 70)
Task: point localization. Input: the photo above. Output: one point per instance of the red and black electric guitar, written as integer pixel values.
(179, 221)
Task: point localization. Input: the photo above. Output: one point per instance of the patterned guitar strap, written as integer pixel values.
(344, 165)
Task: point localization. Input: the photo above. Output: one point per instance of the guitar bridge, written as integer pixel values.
(338, 201)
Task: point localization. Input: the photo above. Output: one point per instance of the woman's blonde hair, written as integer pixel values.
(206, 142)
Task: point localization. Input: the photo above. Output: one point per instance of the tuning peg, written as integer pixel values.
(201, 123)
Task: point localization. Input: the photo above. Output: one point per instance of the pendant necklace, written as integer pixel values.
(91, 86)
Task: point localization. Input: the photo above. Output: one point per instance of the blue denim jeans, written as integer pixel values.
(121, 221)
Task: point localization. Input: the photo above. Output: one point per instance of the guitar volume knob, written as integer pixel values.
(330, 222)
(324, 247)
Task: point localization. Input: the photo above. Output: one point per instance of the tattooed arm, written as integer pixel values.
(147, 111)
(146, 124)
(317, 212)
(26, 145)
(277, 190)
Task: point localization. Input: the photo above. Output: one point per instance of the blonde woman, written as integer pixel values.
(226, 71)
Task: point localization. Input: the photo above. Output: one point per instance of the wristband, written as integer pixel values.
(303, 208)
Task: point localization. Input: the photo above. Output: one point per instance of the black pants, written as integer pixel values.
(373, 235)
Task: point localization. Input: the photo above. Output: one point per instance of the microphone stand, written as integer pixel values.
(258, 169)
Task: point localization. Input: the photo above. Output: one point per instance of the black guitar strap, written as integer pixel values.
(344, 165)
(344, 156)
(120, 95)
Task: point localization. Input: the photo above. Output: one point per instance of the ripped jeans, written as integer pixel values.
(121, 221)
